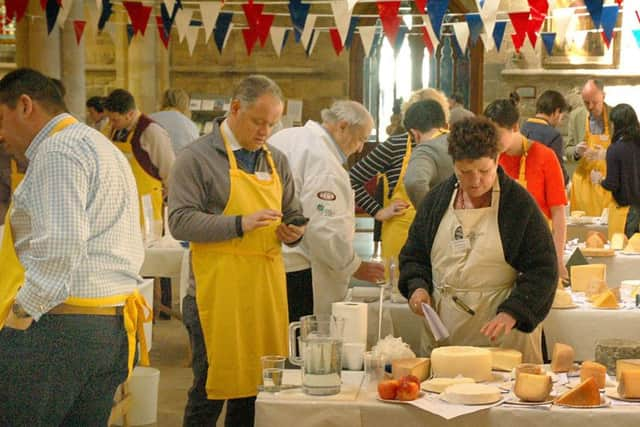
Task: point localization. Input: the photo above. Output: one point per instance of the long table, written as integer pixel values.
(294, 408)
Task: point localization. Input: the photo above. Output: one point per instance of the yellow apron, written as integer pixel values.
(522, 171)
(146, 184)
(468, 263)
(241, 290)
(13, 276)
(16, 176)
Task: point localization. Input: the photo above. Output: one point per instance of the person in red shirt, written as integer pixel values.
(535, 167)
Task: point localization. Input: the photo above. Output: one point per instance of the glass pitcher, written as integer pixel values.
(320, 357)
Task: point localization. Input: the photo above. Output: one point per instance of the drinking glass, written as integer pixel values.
(272, 372)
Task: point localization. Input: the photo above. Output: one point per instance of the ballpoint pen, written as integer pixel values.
(462, 305)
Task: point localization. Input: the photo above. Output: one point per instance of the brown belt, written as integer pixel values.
(91, 311)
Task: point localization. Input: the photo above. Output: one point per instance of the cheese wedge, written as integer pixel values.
(626, 364)
(634, 243)
(618, 241)
(562, 299)
(629, 385)
(593, 370)
(581, 275)
(562, 358)
(418, 367)
(504, 359)
(438, 385)
(532, 387)
(596, 287)
(453, 361)
(471, 394)
(584, 394)
(605, 300)
(595, 239)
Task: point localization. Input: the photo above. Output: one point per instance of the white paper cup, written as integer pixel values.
(352, 355)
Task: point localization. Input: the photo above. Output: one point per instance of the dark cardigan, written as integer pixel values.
(526, 241)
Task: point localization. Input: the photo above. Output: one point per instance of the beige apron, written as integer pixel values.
(472, 268)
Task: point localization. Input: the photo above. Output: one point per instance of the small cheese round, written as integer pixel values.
(438, 385)
(471, 394)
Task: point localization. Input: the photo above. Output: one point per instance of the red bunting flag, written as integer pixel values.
(139, 15)
(15, 9)
(518, 40)
(607, 40)
(162, 32)
(421, 5)
(336, 40)
(263, 26)
(520, 22)
(252, 12)
(388, 11)
(638, 16)
(533, 27)
(540, 6)
(427, 40)
(250, 38)
(78, 28)
(619, 2)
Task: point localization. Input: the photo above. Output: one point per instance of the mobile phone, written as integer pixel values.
(297, 220)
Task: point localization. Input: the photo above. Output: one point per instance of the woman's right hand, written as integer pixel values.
(418, 297)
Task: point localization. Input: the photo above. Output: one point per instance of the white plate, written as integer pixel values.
(612, 392)
(629, 253)
(501, 399)
(420, 394)
(565, 307)
(516, 401)
(604, 402)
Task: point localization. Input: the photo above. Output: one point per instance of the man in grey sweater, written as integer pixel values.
(430, 163)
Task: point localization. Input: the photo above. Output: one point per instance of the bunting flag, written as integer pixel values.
(498, 33)
(52, 10)
(263, 27)
(312, 44)
(15, 9)
(222, 30)
(636, 36)
(474, 21)
(65, 8)
(298, 12)
(431, 41)
(402, 32)
(609, 18)
(539, 6)
(352, 29)
(307, 31)
(367, 35)
(336, 41)
(638, 16)
(182, 21)
(388, 12)
(192, 37)
(619, 2)
(78, 29)
(209, 12)
(578, 38)
(250, 38)
(351, 4)
(168, 11)
(488, 12)
(518, 40)
(139, 15)
(162, 31)
(171, 5)
(252, 12)
(595, 11)
(43, 4)
(534, 25)
(278, 38)
(436, 11)
(520, 22)
(105, 14)
(548, 39)
(130, 33)
(461, 31)
(561, 19)
(421, 5)
(342, 17)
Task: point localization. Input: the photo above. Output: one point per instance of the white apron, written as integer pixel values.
(468, 262)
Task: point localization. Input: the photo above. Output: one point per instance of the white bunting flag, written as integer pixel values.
(99, 6)
(314, 40)
(342, 17)
(561, 19)
(183, 19)
(63, 14)
(432, 34)
(367, 34)
(170, 5)
(305, 37)
(577, 38)
(461, 30)
(209, 13)
(226, 37)
(277, 38)
(488, 13)
(351, 4)
(192, 37)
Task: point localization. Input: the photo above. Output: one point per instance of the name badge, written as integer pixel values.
(460, 246)
(263, 176)
(604, 137)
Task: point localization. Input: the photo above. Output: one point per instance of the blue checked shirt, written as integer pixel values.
(75, 219)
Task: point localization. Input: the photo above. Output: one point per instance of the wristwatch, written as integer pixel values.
(19, 312)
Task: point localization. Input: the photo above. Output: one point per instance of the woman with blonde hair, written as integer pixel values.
(175, 117)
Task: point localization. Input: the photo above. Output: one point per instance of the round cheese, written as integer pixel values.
(438, 385)
(453, 361)
(532, 387)
(471, 394)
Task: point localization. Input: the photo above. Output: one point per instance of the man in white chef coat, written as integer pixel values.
(319, 269)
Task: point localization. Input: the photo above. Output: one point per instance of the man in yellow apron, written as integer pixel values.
(5, 182)
(587, 143)
(71, 251)
(230, 196)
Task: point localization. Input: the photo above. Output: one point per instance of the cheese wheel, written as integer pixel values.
(594, 370)
(471, 394)
(606, 299)
(582, 275)
(438, 385)
(584, 394)
(453, 361)
(626, 364)
(417, 366)
(504, 359)
(629, 385)
(562, 357)
(532, 387)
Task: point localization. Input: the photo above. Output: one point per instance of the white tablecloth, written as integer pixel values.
(172, 262)
(295, 409)
(619, 267)
(580, 231)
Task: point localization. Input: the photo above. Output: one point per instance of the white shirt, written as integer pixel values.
(75, 219)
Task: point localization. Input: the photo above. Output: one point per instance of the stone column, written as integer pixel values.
(417, 56)
(142, 78)
(34, 47)
(73, 63)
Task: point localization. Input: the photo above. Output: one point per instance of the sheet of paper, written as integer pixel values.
(294, 109)
(432, 403)
(438, 329)
(208, 104)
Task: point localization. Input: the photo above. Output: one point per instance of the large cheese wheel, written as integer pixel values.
(594, 370)
(471, 394)
(438, 385)
(532, 387)
(453, 361)
(505, 359)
